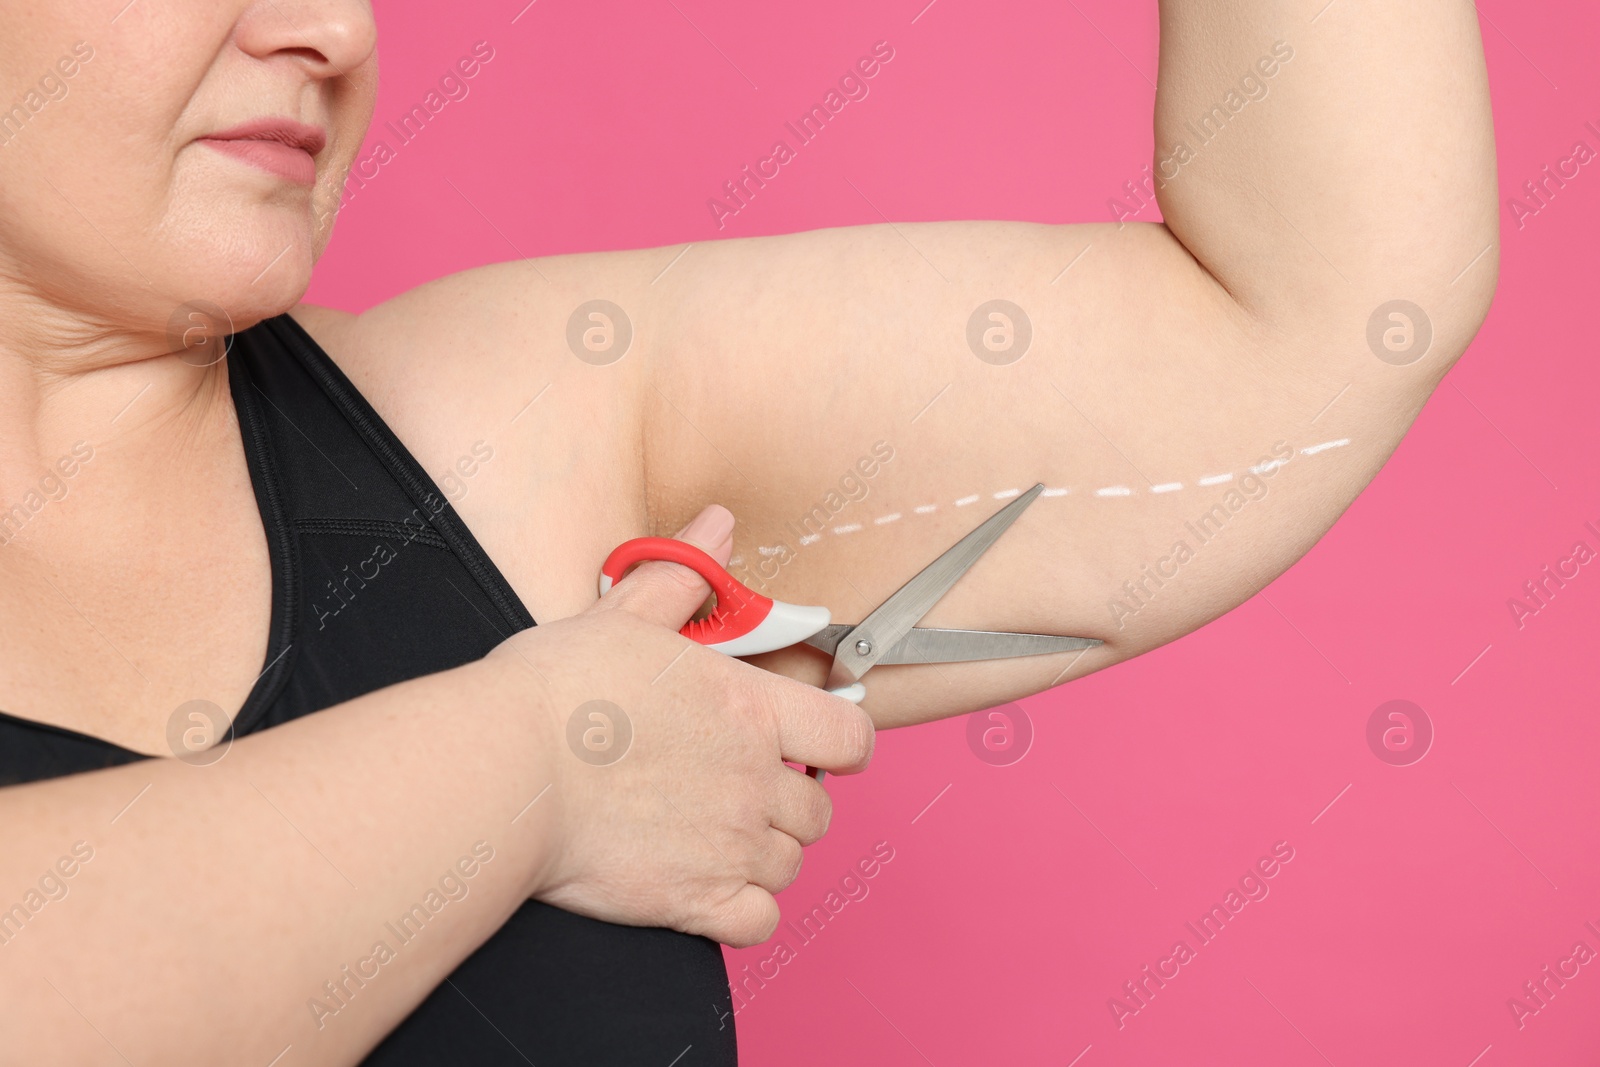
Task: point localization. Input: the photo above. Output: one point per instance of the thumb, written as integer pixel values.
(670, 593)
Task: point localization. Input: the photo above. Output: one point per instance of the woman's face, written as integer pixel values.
(114, 210)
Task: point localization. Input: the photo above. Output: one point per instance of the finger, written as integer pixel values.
(718, 544)
(670, 593)
(819, 729)
(776, 864)
(747, 918)
(802, 808)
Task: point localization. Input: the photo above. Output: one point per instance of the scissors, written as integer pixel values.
(745, 622)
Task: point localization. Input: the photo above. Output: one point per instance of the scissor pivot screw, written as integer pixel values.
(863, 648)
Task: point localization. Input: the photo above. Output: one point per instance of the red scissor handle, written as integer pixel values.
(739, 610)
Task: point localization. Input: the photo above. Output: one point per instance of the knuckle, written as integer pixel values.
(821, 813)
(678, 575)
(755, 920)
(868, 734)
(767, 920)
(791, 857)
(649, 581)
(859, 737)
(810, 813)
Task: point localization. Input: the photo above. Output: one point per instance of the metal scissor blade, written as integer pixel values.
(873, 637)
(932, 645)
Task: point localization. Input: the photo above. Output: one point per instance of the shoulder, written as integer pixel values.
(434, 361)
(460, 356)
(457, 338)
(538, 450)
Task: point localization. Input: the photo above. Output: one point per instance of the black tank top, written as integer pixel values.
(333, 484)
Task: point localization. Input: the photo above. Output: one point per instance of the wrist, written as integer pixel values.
(523, 739)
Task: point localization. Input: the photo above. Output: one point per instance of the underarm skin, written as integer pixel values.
(1202, 397)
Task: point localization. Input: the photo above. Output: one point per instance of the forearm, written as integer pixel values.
(1322, 158)
(248, 884)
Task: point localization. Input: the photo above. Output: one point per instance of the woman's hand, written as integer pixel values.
(671, 800)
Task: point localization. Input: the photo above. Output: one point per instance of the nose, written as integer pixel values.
(332, 37)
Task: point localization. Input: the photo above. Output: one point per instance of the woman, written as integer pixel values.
(206, 544)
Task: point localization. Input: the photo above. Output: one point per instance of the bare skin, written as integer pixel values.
(761, 372)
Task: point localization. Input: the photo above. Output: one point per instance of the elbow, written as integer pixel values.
(1467, 309)
(1425, 317)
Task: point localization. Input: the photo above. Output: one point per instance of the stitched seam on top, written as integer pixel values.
(389, 528)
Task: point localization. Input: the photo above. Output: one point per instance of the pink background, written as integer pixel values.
(1416, 904)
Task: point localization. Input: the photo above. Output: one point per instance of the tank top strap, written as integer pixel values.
(376, 578)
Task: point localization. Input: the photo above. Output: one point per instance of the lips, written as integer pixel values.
(279, 146)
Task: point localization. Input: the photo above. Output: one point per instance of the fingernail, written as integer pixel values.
(710, 527)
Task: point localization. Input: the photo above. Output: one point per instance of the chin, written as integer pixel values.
(254, 261)
(224, 294)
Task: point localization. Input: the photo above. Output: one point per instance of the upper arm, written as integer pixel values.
(1200, 395)
(1211, 392)
(826, 388)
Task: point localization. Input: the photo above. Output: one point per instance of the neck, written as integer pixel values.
(66, 382)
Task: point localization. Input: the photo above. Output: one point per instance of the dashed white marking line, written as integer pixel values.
(1105, 491)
